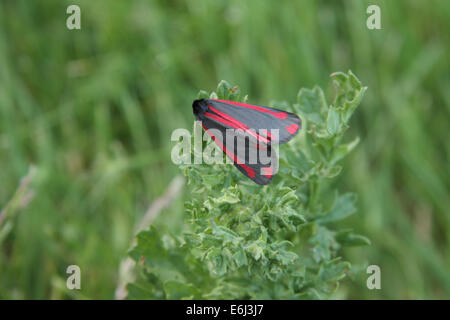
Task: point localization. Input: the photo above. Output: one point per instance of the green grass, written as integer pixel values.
(93, 110)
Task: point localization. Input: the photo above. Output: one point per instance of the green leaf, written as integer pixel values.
(223, 90)
(339, 77)
(227, 197)
(349, 239)
(176, 290)
(331, 172)
(332, 121)
(256, 250)
(334, 270)
(212, 179)
(216, 262)
(225, 233)
(311, 104)
(323, 243)
(349, 93)
(240, 257)
(342, 150)
(202, 94)
(286, 257)
(354, 81)
(343, 207)
(213, 95)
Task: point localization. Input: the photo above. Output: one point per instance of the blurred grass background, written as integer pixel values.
(93, 110)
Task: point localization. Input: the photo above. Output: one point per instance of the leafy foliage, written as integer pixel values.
(244, 241)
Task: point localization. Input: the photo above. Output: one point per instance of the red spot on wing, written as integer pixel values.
(292, 128)
(250, 171)
(267, 171)
(279, 115)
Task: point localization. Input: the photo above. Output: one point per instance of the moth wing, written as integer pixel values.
(261, 119)
(257, 161)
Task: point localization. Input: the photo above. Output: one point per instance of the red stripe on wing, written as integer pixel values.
(279, 115)
(250, 171)
(228, 120)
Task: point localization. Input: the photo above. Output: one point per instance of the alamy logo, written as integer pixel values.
(74, 280)
(374, 20)
(374, 280)
(74, 20)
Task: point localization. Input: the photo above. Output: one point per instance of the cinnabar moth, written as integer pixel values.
(252, 123)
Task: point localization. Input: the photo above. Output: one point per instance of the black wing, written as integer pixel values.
(247, 117)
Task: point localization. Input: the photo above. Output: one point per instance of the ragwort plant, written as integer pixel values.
(245, 241)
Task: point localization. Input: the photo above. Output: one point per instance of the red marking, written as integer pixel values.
(224, 121)
(267, 171)
(229, 118)
(266, 132)
(250, 171)
(230, 121)
(292, 128)
(279, 115)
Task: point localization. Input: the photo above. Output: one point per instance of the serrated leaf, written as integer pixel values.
(352, 103)
(340, 77)
(227, 198)
(354, 81)
(224, 232)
